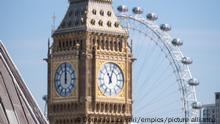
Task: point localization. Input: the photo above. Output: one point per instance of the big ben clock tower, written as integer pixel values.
(90, 67)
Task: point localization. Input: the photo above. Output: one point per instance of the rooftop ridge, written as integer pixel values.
(21, 88)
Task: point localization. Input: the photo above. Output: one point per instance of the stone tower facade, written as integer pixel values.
(90, 67)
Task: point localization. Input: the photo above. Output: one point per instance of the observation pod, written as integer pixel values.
(177, 42)
(122, 8)
(137, 10)
(193, 82)
(45, 98)
(196, 105)
(165, 27)
(152, 16)
(187, 60)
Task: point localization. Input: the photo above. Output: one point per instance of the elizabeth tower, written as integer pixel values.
(90, 67)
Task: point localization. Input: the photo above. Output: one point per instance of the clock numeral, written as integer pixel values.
(59, 85)
(72, 73)
(102, 73)
(119, 74)
(106, 89)
(110, 92)
(120, 80)
(101, 78)
(106, 68)
(102, 85)
(118, 86)
(115, 91)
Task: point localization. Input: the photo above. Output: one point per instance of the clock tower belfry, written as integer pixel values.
(90, 67)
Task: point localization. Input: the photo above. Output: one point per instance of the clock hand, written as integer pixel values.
(110, 81)
(110, 77)
(112, 73)
(65, 75)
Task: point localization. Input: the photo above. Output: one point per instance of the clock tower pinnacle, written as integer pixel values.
(90, 67)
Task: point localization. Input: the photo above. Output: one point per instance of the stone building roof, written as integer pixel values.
(17, 105)
(91, 16)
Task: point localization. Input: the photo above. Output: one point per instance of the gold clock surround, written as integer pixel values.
(99, 65)
(74, 94)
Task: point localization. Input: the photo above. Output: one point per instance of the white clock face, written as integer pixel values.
(111, 79)
(65, 79)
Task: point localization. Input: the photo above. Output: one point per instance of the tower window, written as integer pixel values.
(119, 108)
(217, 96)
(123, 109)
(93, 21)
(68, 107)
(64, 107)
(60, 45)
(106, 107)
(109, 13)
(115, 46)
(110, 108)
(107, 45)
(64, 121)
(69, 23)
(98, 44)
(101, 12)
(109, 24)
(82, 12)
(116, 24)
(63, 45)
(94, 11)
(97, 107)
(63, 24)
(76, 23)
(120, 46)
(115, 108)
(93, 42)
(54, 108)
(100, 22)
(57, 122)
(67, 43)
(102, 107)
(70, 13)
(81, 44)
(111, 45)
(77, 12)
(102, 44)
(74, 43)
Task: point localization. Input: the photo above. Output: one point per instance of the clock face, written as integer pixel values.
(65, 79)
(111, 79)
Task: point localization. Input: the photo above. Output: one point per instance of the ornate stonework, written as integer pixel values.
(88, 45)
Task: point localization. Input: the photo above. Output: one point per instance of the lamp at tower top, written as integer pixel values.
(76, 1)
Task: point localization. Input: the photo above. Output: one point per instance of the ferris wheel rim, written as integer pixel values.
(186, 90)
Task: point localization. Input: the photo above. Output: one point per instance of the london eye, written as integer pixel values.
(163, 85)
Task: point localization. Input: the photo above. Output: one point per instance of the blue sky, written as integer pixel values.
(25, 26)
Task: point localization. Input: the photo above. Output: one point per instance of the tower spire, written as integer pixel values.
(54, 23)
